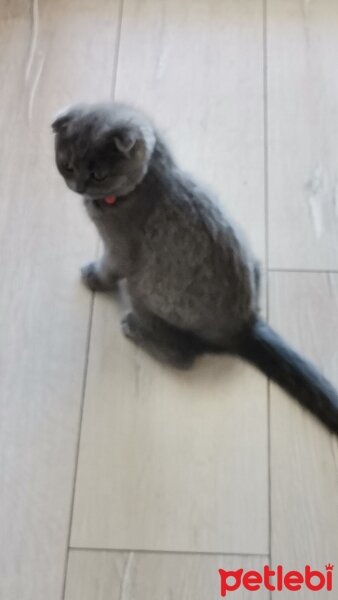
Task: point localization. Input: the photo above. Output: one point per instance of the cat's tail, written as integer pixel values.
(262, 347)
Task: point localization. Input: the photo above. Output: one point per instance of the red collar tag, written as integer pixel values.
(110, 199)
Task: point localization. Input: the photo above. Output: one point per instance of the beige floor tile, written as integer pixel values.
(47, 57)
(179, 461)
(128, 575)
(169, 460)
(304, 456)
(302, 45)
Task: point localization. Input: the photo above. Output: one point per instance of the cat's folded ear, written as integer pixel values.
(125, 139)
(63, 118)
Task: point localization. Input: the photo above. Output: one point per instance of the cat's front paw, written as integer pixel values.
(129, 326)
(91, 279)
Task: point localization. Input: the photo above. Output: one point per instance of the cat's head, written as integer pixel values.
(102, 149)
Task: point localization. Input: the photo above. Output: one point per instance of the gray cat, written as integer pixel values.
(192, 281)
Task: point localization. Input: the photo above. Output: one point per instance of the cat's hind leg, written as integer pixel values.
(161, 340)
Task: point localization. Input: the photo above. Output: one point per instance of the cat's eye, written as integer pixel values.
(68, 168)
(98, 176)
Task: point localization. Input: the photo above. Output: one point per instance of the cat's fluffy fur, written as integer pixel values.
(192, 280)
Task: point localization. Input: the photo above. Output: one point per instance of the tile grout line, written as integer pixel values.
(267, 270)
(88, 339)
(170, 552)
(265, 142)
(309, 271)
(77, 452)
(117, 49)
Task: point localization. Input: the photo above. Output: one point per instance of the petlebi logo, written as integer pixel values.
(276, 580)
